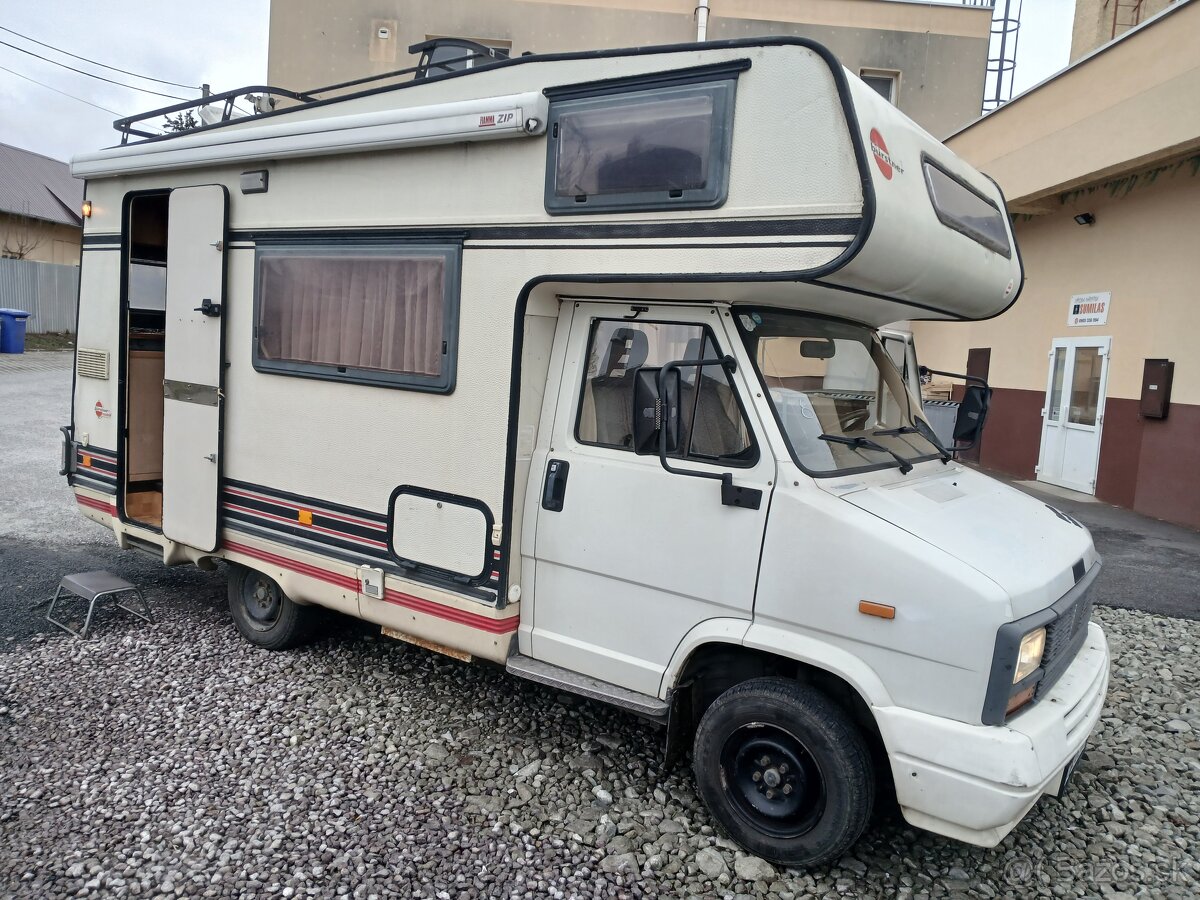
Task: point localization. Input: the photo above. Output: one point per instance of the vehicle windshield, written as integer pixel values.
(838, 396)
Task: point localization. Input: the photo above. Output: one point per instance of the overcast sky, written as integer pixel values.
(224, 43)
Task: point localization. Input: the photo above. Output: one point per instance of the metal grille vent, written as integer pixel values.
(92, 364)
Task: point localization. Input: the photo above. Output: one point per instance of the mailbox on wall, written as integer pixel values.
(1156, 388)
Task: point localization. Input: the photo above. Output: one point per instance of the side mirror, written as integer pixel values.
(972, 414)
(652, 413)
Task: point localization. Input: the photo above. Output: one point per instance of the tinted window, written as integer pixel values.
(712, 427)
(367, 314)
(960, 208)
(667, 147)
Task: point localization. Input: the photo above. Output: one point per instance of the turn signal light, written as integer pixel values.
(883, 611)
(1019, 699)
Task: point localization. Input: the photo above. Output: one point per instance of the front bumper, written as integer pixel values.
(974, 783)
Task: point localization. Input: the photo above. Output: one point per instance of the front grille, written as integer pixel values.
(1064, 636)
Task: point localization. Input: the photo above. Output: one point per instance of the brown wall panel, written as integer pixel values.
(1120, 450)
(1013, 434)
(1168, 480)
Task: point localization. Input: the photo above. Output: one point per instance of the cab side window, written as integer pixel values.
(713, 427)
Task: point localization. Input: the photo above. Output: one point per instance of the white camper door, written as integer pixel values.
(1073, 416)
(194, 364)
(628, 557)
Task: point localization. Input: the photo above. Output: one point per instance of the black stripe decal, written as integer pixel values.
(93, 485)
(768, 245)
(90, 239)
(301, 500)
(362, 552)
(699, 228)
(341, 526)
(353, 558)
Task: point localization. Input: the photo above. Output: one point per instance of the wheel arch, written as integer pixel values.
(706, 667)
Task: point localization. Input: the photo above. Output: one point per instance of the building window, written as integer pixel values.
(660, 148)
(371, 315)
(961, 207)
(712, 426)
(884, 82)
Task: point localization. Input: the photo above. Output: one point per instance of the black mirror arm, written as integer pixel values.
(731, 495)
(974, 379)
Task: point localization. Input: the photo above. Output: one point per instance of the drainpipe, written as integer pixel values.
(701, 20)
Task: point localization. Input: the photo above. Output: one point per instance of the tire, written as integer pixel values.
(264, 614)
(784, 771)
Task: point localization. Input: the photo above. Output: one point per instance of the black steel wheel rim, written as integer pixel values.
(263, 602)
(772, 780)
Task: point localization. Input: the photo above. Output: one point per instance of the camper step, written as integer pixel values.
(574, 683)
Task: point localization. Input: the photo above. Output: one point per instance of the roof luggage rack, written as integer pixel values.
(437, 59)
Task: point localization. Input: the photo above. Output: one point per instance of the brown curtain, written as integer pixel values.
(364, 312)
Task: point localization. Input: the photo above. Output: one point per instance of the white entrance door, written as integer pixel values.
(627, 556)
(1074, 413)
(193, 370)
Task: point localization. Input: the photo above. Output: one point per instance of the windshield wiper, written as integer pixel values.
(862, 443)
(925, 432)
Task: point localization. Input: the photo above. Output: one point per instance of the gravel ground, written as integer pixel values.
(176, 759)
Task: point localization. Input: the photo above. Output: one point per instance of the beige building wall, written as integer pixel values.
(1117, 136)
(939, 51)
(1099, 21)
(1142, 248)
(49, 241)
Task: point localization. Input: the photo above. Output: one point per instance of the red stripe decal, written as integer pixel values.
(266, 515)
(460, 616)
(417, 604)
(315, 507)
(101, 505)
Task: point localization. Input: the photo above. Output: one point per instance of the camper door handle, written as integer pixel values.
(208, 308)
(554, 492)
(212, 458)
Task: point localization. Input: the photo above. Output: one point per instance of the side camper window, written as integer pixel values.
(713, 428)
(372, 315)
(660, 148)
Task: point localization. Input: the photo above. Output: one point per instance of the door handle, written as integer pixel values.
(208, 308)
(212, 458)
(554, 491)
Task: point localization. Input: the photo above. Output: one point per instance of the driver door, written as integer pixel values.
(628, 557)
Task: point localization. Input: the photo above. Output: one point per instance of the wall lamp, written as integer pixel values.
(1085, 219)
(87, 209)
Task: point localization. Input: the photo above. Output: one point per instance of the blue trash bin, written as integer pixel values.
(12, 330)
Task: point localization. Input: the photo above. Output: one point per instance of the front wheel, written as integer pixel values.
(263, 613)
(784, 771)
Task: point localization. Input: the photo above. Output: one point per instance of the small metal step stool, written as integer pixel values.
(94, 586)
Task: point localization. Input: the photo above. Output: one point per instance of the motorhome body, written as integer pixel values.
(396, 354)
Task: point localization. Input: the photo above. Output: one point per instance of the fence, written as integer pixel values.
(48, 291)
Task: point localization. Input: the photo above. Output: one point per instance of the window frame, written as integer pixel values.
(956, 224)
(443, 383)
(721, 85)
(745, 336)
(892, 75)
(709, 335)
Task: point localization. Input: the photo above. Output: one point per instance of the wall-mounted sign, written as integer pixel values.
(1089, 309)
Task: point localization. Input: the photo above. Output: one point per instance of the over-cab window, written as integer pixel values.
(660, 148)
(962, 208)
(712, 425)
(372, 315)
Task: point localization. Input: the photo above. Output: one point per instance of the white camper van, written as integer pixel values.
(570, 364)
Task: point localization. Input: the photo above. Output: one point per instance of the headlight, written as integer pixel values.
(1029, 657)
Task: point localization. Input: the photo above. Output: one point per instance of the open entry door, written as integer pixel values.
(193, 380)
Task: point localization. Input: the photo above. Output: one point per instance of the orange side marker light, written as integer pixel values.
(305, 516)
(883, 611)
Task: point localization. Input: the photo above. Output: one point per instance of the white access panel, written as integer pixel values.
(194, 364)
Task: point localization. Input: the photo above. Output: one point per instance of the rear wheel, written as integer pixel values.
(263, 613)
(785, 771)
